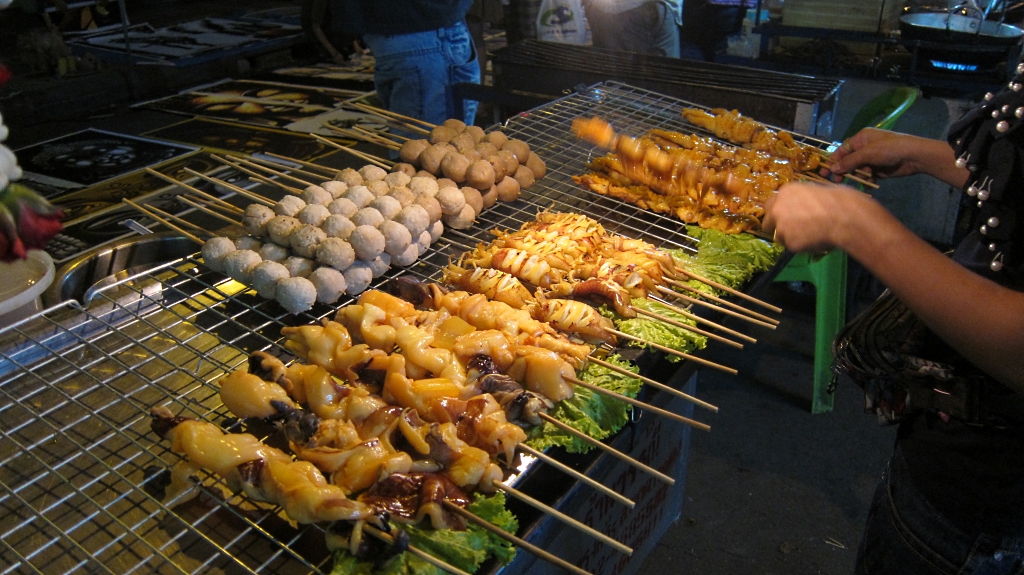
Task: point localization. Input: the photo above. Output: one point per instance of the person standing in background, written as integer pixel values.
(422, 49)
(644, 26)
(708, 23)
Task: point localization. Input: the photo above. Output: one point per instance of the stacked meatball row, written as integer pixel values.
(335, 238)
(491, 163)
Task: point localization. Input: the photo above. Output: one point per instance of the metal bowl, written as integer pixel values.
(113, 262)
(955, 42)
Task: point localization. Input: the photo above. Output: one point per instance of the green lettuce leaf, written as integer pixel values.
(729, 259)
(592, 413)
(653, 330)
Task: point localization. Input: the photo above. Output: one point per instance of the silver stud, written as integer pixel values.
(992, 247)
(959, 141)
(989, 96)
(961, 162)
(983, 230)
(1020, 68)
(983, 195)
(993, 222)
(1019, 112)
(995, 113)
(981, 204)
(972, 191)
(1002, 126)
(1005, 108)
(1016, 86)
(997, 263)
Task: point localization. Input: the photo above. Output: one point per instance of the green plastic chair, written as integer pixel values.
(828, 273)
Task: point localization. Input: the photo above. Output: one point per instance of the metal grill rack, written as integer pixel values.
(79, 468)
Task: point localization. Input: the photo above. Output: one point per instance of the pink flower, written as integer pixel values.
(27, 221)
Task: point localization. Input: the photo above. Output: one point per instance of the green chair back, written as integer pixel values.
(883, 110)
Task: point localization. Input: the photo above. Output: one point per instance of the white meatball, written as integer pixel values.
(289, 206)
(423, 186)
(350, 177)
(452, 200)
(415, 218)
(408, 256)
(214, 252)
(343, 206)
(338, 226)
(432, 206)
(368, 217)
(397, 179)
(274, 253)
(435, 231)
(335, 188)
(255, 219)
(329, 284)
(403, 194)
(280, 229)
(248, 243)
(462, 220)
(379, 188)
(358, 277)
(368, 242)
(314, 194)
(313, 214)
(336, 253)
(424, 242)
(387, 206)
(239, 263)
(359, 195)
(305, 240)
(299, 267)
(265, 276)
(371, 173)
(396, 237)
(296, 294)
(380, 264)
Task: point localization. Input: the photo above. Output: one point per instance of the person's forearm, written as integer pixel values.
(977, 317)
(935, 158)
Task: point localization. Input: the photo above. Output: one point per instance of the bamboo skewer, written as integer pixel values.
(607, 448)
(381, 135)
(728, 289)
(362, 155)
(290, 169)
(699, 319)
(264, 101)
(675, 352)
(862, 181)
(254, 176)
(327, 170)
(163, 221)
(515, 540)
(240, 191)
(390, 134)
(387, 538)
(273, 172)
(576, 474)
(747, 314)
(564, 518)
(640, 404)
(365, 136)
(665, 319)
(196, 191)
(207, 210)
(654, 383)
(392, 115)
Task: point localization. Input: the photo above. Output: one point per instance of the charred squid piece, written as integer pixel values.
(352, 537)
(601, 288)
(410, 289)
(411, 497)
(480, 365)
(248, 395)
(299, 425)
(518, 403)
(268, 368)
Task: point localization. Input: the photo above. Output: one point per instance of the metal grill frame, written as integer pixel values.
(76, 383)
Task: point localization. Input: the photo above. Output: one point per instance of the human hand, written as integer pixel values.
(809, 217)
(882, 153)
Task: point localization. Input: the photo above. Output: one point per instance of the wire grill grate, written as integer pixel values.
(78, 465)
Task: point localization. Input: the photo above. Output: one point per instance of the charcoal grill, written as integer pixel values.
(77, 459)
(802, 103)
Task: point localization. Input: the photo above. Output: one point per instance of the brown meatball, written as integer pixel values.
(511, 163)
(487, 149)
(404, 168)
(498, 165)
(480, 175)
(446, 183)
(463, 142)
(508, 189)
(536, 165)
(497, 137)
(455, 124)
(442, 134)
(476, 132)
(474, 199)
(519, 148)
(454, 166)
(472, 156)
(425, 174)
(430, 159)
(432, 206)
(411, 150)
(525, 177)
(490, 197)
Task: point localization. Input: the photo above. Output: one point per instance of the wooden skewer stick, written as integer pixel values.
(290, 169)
(210, 204)
(699, 319)
(366, 136)
(327, 170)
(862, 181)
(387, 538)
(675, 352)
(390, 134)
(515, 540)
(240, 191)
(747, 315)
(607, 448)
(665, 319)
(564, 518)
(194, 190)
(361, 155)
(273, 172)
(640, 404)
(204, 209)
(254, 176)
(386, 136)
(264, 101)
(576, 474)
(653, 383)
(163, 221)
(389, 114)
(728, 289)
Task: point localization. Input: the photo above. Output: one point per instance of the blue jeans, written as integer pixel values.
(905, 535)
(414, 73)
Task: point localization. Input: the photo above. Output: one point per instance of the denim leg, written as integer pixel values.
(905, 535)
